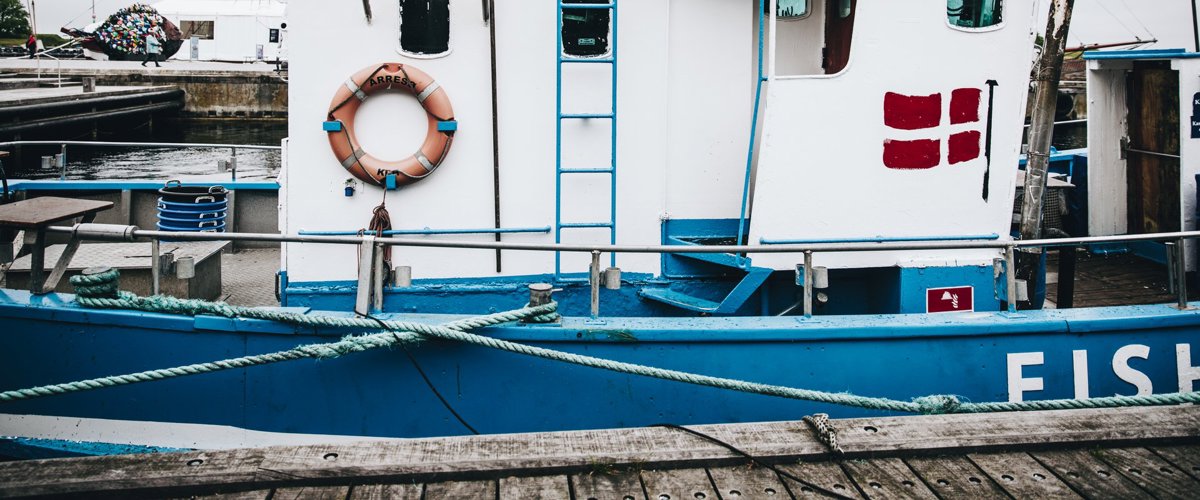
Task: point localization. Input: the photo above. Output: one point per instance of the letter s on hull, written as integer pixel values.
(1123, 371)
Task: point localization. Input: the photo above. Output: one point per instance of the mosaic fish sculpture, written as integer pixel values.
(123, 35)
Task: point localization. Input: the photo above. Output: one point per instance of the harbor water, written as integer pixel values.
(100, 163)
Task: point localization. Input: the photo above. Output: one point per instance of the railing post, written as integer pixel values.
(808, 283)
(1010, 276)
(62, 163)
(233, 164)
(1178, 273)
(155, 272)
(594, 279)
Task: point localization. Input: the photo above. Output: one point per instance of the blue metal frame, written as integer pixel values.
(559, 171)
(762, 16)
(1141, 54)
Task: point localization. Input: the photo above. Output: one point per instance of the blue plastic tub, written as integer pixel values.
(192, 208)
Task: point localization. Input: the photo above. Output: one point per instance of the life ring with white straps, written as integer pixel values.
(339, 124)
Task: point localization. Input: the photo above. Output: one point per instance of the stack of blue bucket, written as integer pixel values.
(192, 208)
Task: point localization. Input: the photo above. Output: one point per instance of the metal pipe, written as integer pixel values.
(551, 247)
(808, 284)
(489, 15)
(1064, 122)
(1010, 277)
(1151, 153)
(881, 239)
(1180, 275)
(393, 232)
(62, 163)
(1195, 27)
(594, 280)
(155, 272)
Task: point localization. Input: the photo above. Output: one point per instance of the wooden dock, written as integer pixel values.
(1123, 453)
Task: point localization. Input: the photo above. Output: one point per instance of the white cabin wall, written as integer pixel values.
(799, 42)
(710, 94)
(1189, 151)
(1108, 125)
(460, 193)
(821, 173)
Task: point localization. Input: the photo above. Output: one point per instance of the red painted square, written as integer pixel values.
(964, 105)
(950, 299)
(964, 146)
(906, 155)
(912, 112)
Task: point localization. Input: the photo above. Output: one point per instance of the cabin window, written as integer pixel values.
(788, 9)
(425, 27)
(199, 29)
(585, 31)
(973, 13)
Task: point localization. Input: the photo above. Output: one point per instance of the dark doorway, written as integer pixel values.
(1153, 152)
(839, 29)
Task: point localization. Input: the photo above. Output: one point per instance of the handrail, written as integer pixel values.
(137, 144)
(95, 231)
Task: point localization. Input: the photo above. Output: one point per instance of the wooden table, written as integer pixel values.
(36, 214)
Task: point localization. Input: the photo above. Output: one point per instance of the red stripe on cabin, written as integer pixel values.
(964, 105)
(964, 146)
(911, 155)
(912, 112)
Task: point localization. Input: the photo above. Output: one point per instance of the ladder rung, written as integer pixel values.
(585, 61)
(586, 5)
(585, 116)
(576, 225)
(604, 170)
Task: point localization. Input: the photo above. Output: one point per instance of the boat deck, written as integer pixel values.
(1111, 453)
(1113, 280)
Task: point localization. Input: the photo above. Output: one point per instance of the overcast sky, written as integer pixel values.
(1096, 21)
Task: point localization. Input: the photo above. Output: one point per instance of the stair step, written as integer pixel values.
(720, 259)
(679, 299)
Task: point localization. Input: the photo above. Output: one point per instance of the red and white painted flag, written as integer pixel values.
(921, 112)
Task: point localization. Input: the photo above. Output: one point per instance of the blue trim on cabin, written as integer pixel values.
(1141, 54)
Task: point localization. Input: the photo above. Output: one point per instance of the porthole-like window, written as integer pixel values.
(788, 9)
(585, 31)
(973, 13)
(425, 27)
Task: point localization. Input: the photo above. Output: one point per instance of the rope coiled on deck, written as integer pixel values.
(405, 332)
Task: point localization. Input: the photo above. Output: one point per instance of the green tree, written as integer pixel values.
(14, 20)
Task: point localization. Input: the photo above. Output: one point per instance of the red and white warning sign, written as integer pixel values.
(950, 299)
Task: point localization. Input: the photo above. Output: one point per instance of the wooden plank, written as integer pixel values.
(494, 456)
(1150, 472)
(886, 478)
(387, 492)
(1022, 476)
(1186, 458)
(747, 482)
(954, 477)
(678, 483)
(460, 490)
(1088, 475)
(823, 479)
(520, 488)
(608, 484)
(312, 493)
(46, 210)
(240, 495)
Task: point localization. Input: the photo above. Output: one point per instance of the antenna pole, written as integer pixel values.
(1195, 27)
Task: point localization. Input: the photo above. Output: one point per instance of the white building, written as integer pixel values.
(228, 30)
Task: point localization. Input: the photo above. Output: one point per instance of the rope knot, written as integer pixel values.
(549, 316)
(96, 283)
(938, 404)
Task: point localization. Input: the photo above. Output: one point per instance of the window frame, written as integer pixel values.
(985, 29)
(808, 11)
(562, 48)
(449, 36)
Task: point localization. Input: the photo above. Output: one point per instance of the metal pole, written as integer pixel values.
(1195, 27)
(808, 284)
(1010, 277)
(1180, 275)
(62, 163)
(490, 14)
(233, 165)
(154, 270)
(594, 279)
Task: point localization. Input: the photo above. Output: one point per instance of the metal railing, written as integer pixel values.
(371, 247)
(62, 157)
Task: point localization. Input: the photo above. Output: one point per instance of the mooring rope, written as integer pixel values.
(99, 291)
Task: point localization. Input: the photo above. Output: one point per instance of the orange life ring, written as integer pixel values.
(339, 124)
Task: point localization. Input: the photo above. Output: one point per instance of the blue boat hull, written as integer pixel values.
(379, 393)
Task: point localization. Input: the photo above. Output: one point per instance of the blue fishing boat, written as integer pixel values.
(617, 214)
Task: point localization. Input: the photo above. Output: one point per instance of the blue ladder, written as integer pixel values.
(611, 116)
(750, 283)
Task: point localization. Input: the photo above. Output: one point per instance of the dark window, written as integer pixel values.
(199, 29)
(973, 13)
(425, 26)
(273, 35)
(585, 31)
(787, 9)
